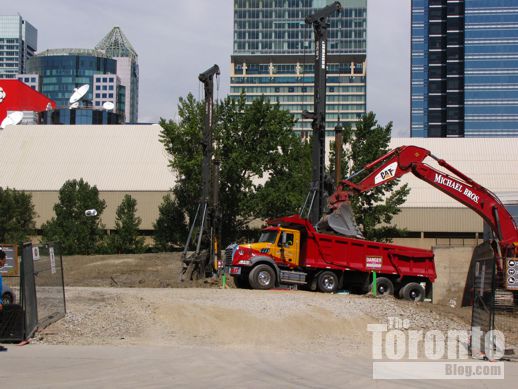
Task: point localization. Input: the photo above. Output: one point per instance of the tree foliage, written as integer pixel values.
(265, 167)
(77, 233)
(375, 209)
(16, 216)
(171, 226)
(125, 238)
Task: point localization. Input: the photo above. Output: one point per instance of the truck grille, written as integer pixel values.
(228, 255)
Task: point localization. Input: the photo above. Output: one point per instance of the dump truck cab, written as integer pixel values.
(278, 248)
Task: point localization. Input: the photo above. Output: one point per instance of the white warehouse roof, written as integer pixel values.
(131, 158)
(491, 162)
(112, 157)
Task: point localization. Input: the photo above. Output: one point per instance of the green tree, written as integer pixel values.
(265, 167)
(125, 238)
(170, 227)
(363, 145)
(16, 216)
(77, 233)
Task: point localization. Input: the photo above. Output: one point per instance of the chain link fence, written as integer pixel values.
(36, 288)
(494, 306)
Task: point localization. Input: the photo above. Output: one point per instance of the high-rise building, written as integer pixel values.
(18, 43)
(60, 71)
(464, 68)
(115, 45)
(274, 53)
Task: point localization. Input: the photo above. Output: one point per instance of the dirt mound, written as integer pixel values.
(161, 270)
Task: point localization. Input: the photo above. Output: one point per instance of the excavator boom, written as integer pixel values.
(410, 159)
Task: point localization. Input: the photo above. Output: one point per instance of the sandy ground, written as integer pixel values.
(232, 318)
(139, 300)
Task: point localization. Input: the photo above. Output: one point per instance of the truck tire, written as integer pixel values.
(262, 277)
(412, 292)
(327, 282)
(241, 282)
(384, 286)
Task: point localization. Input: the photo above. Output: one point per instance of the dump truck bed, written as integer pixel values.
(324, 250)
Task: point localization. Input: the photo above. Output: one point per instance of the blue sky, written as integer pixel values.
(178, 39)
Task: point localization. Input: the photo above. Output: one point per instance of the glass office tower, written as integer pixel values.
(274, 54)
(464, 68)
(18, 43)
(62, 70)
(115, 45)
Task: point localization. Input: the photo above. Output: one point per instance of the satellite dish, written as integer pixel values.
(79, 93)
(74, 106)
(108, 106)
(12, 119)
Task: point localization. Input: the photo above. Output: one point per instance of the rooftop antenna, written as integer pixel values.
(78, 94)
(12, 119)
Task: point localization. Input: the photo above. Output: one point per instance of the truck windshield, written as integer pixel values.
(268, 236)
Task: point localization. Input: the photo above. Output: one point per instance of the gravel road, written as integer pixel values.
(268, 320)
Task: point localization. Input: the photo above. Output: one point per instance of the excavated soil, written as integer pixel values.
(161, 270)
(140, 300)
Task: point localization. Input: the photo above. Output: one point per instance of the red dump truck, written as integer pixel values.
(291, 251)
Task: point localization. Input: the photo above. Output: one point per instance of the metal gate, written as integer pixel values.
(482, 317)
(494, 307)
(41, 290)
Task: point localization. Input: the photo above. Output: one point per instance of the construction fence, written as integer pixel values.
(33, 279)
(494, 306)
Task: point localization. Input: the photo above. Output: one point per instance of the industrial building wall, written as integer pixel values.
(147, 206)
(427, 227)
(431, 227)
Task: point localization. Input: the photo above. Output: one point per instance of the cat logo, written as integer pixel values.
(386, 174)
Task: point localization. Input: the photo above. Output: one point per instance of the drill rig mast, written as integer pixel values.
(205, 225)
(315, 201)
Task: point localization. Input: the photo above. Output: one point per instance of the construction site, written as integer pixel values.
(303, 304)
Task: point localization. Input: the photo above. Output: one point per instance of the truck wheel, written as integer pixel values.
(327, 282)
(383, 286)
(262, 277)
(412, 292)
(241, 283)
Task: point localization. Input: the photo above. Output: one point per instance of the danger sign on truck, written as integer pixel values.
(373, 262)
(511, 271)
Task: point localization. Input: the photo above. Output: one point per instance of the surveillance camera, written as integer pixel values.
(91, 212)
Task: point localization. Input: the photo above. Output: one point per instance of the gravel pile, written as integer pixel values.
(287, 320)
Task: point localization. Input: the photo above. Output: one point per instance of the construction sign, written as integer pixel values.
(511, 274)
(11, 268)
(373, 262)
